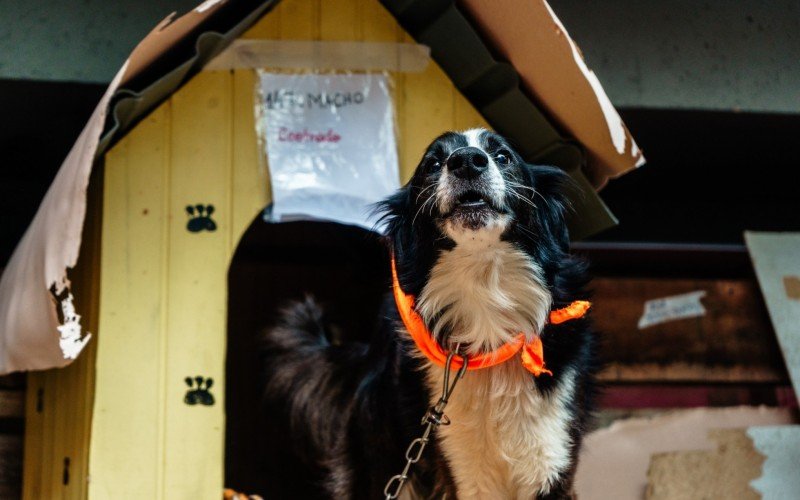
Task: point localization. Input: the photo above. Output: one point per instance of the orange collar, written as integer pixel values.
(532, 357)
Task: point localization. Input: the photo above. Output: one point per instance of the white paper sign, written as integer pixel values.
(330, 145)
(682, 306)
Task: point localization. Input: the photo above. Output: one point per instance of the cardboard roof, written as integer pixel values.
(515, 100)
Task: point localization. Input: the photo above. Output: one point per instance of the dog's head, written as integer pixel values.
(472, 186)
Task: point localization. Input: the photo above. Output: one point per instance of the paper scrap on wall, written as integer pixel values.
(671, 308)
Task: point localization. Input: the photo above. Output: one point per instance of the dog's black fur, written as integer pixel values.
(343, 415)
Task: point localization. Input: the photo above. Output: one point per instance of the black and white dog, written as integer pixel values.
(479, 239)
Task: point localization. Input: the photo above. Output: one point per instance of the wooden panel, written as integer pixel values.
(732, 342)
(58, 402)
(250, 172)
(299, 19)
(197, 284)
(12, 403)
(10, 466)
(269, 27)
(467, 117)
(34, 457)
(127, 446)
(340, 20)
(429, 110)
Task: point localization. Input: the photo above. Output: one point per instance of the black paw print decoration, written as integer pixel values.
(198, 391)
(200, 218)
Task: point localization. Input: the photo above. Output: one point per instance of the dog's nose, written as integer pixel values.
(468, 163)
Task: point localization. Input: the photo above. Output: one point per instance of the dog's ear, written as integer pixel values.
(393, 212)
(552, 186)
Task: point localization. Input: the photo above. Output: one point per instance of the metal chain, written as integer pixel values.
(432, 419)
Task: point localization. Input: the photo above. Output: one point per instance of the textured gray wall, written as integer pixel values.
(75, 40)
(716, 54)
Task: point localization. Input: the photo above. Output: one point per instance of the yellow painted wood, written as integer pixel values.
(340, 20)
(250, 173)
(163, 293)
(466, 116)
(429, 111)
(200, 161)
(299, 19)
(268, 28)
(34, 456)
(127, 448)
(58, 422)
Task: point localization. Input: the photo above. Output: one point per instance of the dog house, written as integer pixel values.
(134, 240)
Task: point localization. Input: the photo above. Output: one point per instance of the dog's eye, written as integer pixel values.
(434, 165)
(503, 157)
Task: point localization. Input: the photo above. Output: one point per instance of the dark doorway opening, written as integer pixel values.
(345, 268)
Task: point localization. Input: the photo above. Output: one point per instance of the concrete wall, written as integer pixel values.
(714, 54)
(79, 41)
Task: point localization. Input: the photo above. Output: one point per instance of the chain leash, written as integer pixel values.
(432, 419)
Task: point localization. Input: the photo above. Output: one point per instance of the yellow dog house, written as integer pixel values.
(123, 246)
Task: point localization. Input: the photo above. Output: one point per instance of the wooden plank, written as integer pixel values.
(10, 466)
(78, 379)
(33, 456)
(733, 341)
(201, 156)
(12, 380)
(377, 24)
(667, 395)
(12, 403)
(340, 20)
(250, 173)
(428, 99)
(299, 19)
(466, 116)
(127, 447)
(268, 27)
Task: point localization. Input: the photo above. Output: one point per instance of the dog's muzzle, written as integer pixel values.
(467, 163)
(468, 193)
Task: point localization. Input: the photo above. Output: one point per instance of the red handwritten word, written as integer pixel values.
(286, 135)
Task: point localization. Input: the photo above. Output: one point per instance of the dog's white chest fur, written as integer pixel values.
(506, 439)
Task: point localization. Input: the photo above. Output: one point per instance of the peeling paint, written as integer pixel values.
(207, 5)
(781, 446)
(792, 286)
(637, 153)
(71, 341)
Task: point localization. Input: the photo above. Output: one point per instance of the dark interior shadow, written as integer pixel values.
(345, 268)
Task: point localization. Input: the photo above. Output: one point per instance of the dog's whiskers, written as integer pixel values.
(423, 191)
(522, 198)
(430, 198)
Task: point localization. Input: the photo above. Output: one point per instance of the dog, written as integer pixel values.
(479, 242)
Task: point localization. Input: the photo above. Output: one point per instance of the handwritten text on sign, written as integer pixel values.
(330, 144)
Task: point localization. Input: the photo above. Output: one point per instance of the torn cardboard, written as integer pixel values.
(613, 462)
(31, 335)
(776, 259)
(29, 324)
(530, 36)
(781, 447)
(724, 472)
